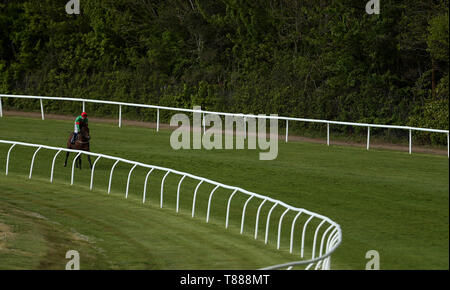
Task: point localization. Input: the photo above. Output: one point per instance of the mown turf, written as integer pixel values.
(387, 201)
(45, 221)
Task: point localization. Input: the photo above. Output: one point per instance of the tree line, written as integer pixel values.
(313, 58)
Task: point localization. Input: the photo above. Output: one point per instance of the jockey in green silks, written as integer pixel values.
(81, 120)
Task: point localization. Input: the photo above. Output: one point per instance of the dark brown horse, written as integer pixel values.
(82, 143)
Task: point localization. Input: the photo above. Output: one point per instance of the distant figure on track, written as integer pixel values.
(80, 121)
(79, 139)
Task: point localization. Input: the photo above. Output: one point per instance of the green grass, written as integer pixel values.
(387, 201)
(46, 221)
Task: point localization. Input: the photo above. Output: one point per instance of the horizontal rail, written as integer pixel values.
(331, 245)
(167, 170)
(234, 115)
(225, 114)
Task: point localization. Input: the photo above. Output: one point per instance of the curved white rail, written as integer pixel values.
(244, 116)
(320, 258)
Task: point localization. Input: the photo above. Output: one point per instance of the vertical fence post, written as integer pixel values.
(162, 188)
(204, 124)
(303, 236)
(92, 172)
(292, 231)
(145, 185)
(410, 141)
(178, 192)
(42, 109)
(279, 228)
(243, 213)
(448, 145)
(1, 110)
(111, 174)
(128, 180)
(157, 120)
(209, 202)
(315, 239)
(324, 235)
(195, 195)
(53, 166)
(84, 106)
(328, 134)
(73, 167)
(267, 222)
(120, 116)
(32, 162)
(257, 218)
(287, 130)
(245, 127)
(7, 158)
(368, 138)
(228, 208)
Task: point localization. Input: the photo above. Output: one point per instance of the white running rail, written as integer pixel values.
(245, 116)
(324, 242)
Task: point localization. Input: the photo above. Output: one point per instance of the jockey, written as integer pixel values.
(79, 121)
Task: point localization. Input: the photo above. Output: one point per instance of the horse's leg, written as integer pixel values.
(90, 163)
(67, 156)
(79, 161)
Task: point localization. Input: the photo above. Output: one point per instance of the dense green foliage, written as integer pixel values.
(313, 59)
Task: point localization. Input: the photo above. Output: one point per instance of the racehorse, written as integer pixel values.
(82, 143)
